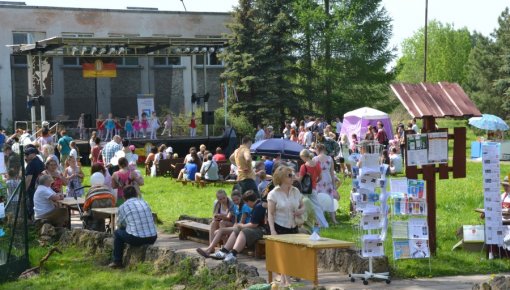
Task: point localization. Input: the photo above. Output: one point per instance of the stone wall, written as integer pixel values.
(163, 258)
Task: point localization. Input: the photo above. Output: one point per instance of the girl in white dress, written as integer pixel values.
(154, 125)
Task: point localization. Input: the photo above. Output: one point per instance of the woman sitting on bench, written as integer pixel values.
(223, 213)
(242, 216)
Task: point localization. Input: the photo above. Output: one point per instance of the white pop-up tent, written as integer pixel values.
(357, 121)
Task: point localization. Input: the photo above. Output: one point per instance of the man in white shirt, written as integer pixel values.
(44, 199)
(415, 127)
(395, 162)
(259, 136)
(338, 127)
(308, 137)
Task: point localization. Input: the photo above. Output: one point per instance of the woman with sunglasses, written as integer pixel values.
(285, 203)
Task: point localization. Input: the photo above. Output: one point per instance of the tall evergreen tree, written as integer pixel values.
(260, 60)
(488, 70)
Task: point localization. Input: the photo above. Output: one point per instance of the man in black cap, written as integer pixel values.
(34, 168)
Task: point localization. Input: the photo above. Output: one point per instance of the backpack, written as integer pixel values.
(306, 182)
(332, 147)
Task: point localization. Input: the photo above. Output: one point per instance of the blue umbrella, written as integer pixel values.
(488, 122)
(277, 147)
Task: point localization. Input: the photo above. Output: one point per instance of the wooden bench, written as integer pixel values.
(193, 231)
(198, 232)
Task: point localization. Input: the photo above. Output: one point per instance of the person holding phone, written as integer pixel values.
(223, 213)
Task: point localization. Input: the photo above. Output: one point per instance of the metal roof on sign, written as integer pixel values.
(435, 99)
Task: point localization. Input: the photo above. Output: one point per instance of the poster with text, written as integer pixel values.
(145, 104)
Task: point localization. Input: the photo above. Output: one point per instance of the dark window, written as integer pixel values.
(174, 60)
(199, 59)
(19, 59)
(160, 61)
(213, 59)
(131, 60)
(20, 38)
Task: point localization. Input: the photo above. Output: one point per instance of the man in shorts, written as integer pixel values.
(244, 235)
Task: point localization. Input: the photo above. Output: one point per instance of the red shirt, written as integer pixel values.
(315, 172)
(219, 157)
(193, 124)
(96, 151)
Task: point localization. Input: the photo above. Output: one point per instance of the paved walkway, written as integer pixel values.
(330, 280)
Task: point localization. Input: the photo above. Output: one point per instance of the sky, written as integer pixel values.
(408, 15)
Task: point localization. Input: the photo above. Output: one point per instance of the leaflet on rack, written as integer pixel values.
(418, 229)
(419, 249)
(372, 246)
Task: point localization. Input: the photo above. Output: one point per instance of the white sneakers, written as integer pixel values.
(227, 258)
(230, 258)
(219, 255)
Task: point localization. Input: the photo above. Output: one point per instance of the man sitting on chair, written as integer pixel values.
(135, 225)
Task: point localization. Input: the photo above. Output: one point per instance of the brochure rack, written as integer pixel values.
(369, 207)
(410, 230)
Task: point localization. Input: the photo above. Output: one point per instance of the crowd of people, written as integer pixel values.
(268, 196)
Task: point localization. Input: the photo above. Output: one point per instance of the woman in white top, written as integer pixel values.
(284, 203)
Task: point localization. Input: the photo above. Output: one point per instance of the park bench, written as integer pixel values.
(164, 167)
(193, 231)
(199, 232)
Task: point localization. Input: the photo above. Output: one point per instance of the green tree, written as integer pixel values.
(448, 51)
(488, 70)
(346, 47)
(260, 60)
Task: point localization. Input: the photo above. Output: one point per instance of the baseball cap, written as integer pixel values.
(30, 150)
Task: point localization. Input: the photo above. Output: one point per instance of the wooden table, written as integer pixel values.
(111, 211)
(71, 204)
(296, 255)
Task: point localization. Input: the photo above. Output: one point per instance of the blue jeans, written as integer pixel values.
(121, 237)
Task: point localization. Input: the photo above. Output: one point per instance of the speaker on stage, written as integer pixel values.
(87, 121)
(208, 118)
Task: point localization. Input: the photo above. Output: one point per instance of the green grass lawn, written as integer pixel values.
(456, 199)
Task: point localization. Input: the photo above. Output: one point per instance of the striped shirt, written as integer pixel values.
(136, 216)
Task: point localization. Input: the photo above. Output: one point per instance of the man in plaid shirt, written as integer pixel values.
(135, 225)
(110, 149)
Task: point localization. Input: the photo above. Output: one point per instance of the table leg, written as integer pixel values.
(315, 271)
(270, 277)
(112, 220)
(69, 217)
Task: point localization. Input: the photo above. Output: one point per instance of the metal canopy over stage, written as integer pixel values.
(38, 55)
(121, 46)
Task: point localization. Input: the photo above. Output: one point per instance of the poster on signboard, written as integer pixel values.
(145, 104)
(417, 149)
(438, 147)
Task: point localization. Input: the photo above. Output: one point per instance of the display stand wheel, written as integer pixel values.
(388, 281)
(353, 280)
(365, 282)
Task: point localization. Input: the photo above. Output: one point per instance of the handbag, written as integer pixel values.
(306, 183)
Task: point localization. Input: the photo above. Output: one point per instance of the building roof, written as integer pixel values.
(438, 100)
(72, 46)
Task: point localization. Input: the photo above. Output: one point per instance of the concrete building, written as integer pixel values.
(171, 79)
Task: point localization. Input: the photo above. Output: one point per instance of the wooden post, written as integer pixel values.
(429, 175)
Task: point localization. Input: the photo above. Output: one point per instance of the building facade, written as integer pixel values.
(170, 79)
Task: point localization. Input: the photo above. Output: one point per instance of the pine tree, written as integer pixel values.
(260, 60)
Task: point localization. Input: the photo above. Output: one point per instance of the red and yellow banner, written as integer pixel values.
(99, 69)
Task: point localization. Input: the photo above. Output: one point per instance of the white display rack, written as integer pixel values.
(369, 207)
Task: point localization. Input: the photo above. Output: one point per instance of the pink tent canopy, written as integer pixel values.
(357, 121)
